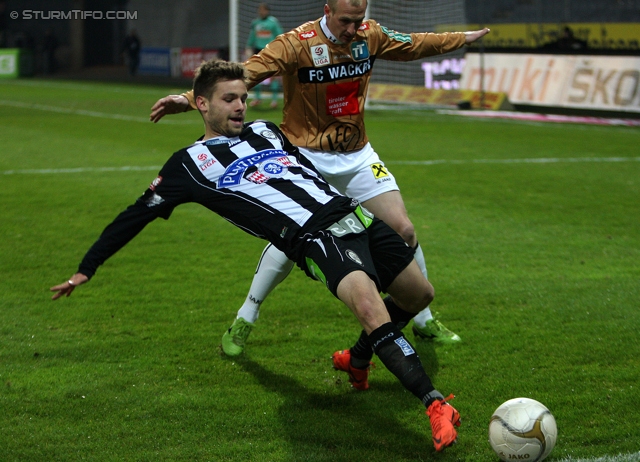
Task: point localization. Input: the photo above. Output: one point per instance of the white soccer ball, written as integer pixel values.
(522, 429)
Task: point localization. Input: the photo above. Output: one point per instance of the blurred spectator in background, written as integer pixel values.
(49, 47)
(567, 42)
(131, 50)
(263, 30)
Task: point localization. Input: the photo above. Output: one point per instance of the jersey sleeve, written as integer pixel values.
(397, 46)
(116, 235)
(159, 200)
(277, 58)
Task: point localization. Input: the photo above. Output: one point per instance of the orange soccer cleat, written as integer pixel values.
(357, 377)
(444, 418)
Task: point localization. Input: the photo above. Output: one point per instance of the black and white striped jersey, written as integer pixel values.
(258, 181)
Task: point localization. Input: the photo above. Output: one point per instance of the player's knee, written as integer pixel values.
(421, 298)
(370, 314)
(428, 294)
(407, 232)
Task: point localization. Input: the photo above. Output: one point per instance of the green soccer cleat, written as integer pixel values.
(235, 338)
(435, 330)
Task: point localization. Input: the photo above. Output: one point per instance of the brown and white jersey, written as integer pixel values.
(325, 82)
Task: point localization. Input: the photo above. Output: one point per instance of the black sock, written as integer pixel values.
(399, 356)
(398, 316)
(361, 352)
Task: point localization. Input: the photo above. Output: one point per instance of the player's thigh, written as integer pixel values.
(361, 295)
(361, 174)
(329, 259)
(410, 290)
(390, 208)
(390, 254)
(370, 180)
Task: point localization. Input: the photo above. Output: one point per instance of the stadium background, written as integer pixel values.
(532, 228)
(609, 27)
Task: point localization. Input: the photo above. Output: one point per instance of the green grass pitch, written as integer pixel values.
(532, 239)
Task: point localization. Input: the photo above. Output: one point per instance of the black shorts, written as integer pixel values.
(378, 251)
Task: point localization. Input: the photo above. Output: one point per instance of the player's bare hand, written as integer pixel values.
(474, 35)
(171, 104)
(67, 287)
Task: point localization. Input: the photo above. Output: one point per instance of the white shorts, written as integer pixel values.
(359, 174)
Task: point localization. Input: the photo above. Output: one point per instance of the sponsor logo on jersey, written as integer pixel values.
(237, 169)
(307, 35)
(205, 160)
(364, 26)
(268, 134)
(257, 177)
(154, 184)
(206, 164)
(334, 72)
(354, 257)
(320, 54)
(342, 99)
(359, 51)
(273, 169)
(393, 35)
(404, 346)
(264, 33)
(379, 171)
(154, 200)
(341, 137)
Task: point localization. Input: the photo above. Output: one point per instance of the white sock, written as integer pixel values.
(421, 318)
(273, 268)
(425, 315)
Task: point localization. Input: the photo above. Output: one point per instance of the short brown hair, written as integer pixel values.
(209, 73)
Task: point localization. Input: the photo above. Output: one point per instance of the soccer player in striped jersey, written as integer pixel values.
(251, 175)
(326, 67)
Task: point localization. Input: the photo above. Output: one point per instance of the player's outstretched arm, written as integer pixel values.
(67, 287)
(171, 104)
(474, 35)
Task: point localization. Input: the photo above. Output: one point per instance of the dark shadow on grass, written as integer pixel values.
(427, 352)
(345, 427)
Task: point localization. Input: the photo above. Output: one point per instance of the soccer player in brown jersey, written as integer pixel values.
(326, 66)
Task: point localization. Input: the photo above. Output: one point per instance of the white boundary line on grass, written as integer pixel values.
(548, 160)
(44, 171)
(86, 113)
(542, 160)
(535, 117)
(635, 457)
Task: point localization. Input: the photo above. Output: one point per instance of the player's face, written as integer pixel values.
(226, 109)
(345, 20)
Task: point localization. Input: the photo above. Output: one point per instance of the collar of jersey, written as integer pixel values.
(327, 32)
(221, 139)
